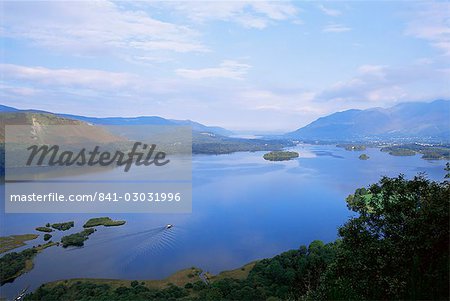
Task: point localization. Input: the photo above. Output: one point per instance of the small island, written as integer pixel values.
(363, 157)
(401, 152)
(76, 239)
(353, 147)
(47, 236)
(429, 152)
(44, 229)
(63, 226)
(102, 221)
(280, 156)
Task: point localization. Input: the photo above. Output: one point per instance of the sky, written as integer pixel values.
(253, 66)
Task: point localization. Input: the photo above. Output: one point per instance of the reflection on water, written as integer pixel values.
(244, 208)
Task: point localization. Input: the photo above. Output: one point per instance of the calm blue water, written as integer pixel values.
(244, 208)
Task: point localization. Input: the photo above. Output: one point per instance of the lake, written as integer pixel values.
(244, 208)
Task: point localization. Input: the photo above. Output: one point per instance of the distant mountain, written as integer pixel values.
(414, 120)
(141, 120)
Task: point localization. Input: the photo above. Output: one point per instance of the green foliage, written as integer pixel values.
(280, 156)
(44, 229)
(363, 157)
(13, 263)
(63, 226)
(76, 239)
(47, 236)
(352, 147)
(429, 152)
(84, 291)
(102, 221)
(397, 247)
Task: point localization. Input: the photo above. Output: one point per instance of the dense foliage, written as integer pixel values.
(398, 245)
(83, 291)
(102, 221)
(44, 229)
(353, 147)
(76, 239)
(363, 157)
(12, 263)
(395, 247)
(63, 226)
(429, 152)
(280, 156)
(47, 236)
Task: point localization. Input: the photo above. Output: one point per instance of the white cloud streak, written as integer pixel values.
(81, 78)
(329, 11)
(336, 28)
(227, 69)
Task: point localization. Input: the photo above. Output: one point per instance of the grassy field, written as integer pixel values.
(8, 243)
(240, 273)
(180, 278)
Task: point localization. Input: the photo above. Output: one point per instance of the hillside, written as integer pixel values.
(40, 129)
(420, 121)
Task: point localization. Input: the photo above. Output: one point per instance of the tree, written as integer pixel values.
(397, 246)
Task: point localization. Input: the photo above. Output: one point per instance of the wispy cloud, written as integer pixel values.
(93, 27)
(431, 21)
(81, 78)
(329, 11)
(250, 14)
(336, 28)
(375, 85)
(227, 69)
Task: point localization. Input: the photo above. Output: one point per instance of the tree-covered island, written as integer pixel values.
(280, 155)
(353, 147)
(102, 221)
(363, 157)
(77, 239)
(63, 226)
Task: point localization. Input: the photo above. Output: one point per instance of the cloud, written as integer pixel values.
(373, 70)
(336, 28)
(329, 11)
(250, 14)
(227, 69)
(380, 85)
(78, 78)
(93, 27)
(431, 22)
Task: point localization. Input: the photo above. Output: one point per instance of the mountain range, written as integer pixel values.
(429, 121)
(141, 120)
(412, 120)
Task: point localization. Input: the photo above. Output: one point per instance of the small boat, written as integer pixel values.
(168, 226)
(21, 294)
